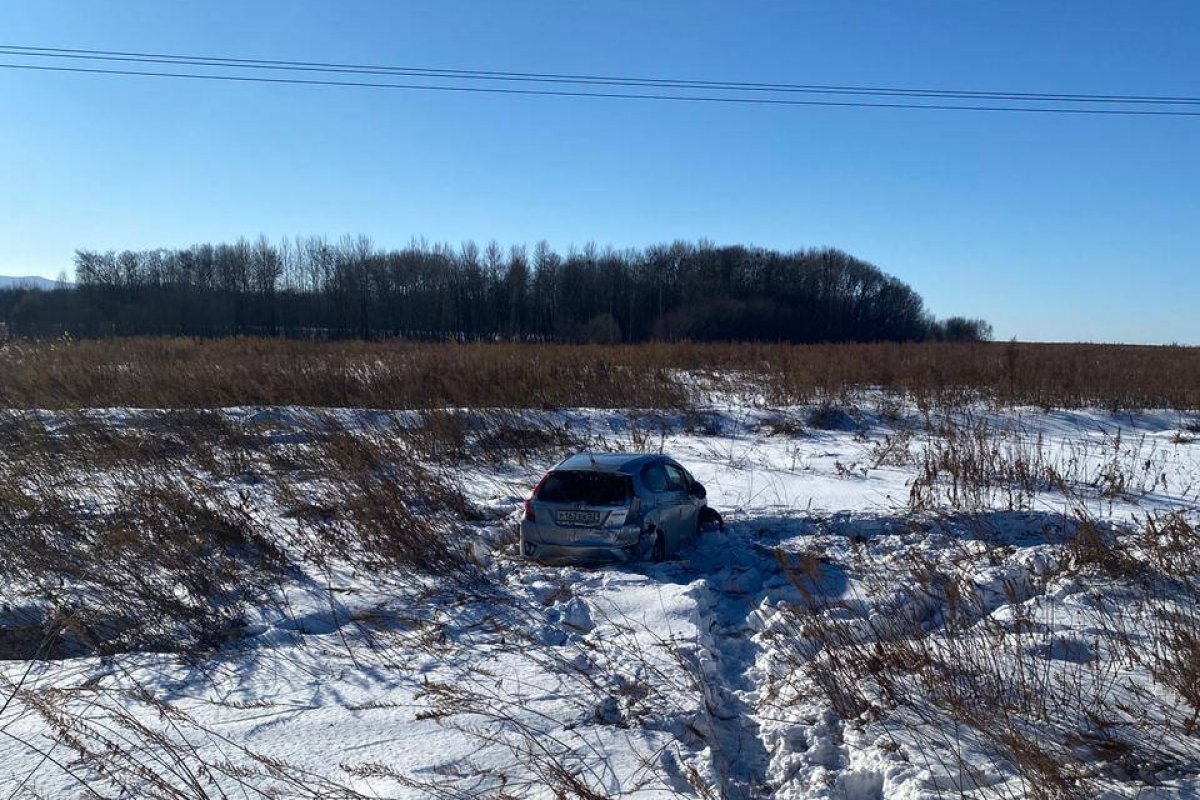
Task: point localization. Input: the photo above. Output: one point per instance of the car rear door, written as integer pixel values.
(666, 500)
(685, 508)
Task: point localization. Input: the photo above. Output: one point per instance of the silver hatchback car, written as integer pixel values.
(611, 507)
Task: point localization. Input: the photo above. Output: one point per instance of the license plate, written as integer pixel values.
(578, 517)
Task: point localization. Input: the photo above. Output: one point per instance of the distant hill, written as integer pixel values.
(31, 282)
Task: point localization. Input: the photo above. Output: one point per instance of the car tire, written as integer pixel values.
(709, 514)
(659, 553)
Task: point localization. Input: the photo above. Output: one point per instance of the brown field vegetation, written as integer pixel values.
(190, 373)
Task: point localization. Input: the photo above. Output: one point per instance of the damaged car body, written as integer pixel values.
(606, 507)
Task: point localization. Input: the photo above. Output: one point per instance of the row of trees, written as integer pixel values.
(312, 287)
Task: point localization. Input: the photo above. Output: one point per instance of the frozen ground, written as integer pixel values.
(844, 637)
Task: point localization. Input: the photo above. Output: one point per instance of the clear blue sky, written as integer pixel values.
(1051, 227)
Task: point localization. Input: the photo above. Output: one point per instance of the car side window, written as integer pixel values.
(654, 478)
(676, 478)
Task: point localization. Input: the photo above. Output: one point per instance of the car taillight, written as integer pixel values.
(529, 515)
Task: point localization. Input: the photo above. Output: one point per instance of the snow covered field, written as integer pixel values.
(991, 603)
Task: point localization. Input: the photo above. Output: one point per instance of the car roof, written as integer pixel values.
(626, 463)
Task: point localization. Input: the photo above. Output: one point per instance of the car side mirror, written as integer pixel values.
(698, 490)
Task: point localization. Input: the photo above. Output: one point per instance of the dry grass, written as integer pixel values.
(951, 683)
(974, 464)
(184, 373)
(921, 658)
(171, 531)
(154, 535)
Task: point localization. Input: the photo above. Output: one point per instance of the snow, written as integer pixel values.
(32, 282)
(660, 680)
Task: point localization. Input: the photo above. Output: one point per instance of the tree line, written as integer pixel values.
(316, 288)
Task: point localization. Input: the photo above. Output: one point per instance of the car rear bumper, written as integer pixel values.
(555, 546)
(567, 555)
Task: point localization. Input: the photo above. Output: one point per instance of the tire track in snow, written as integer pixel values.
(735, 575)
(739, 756)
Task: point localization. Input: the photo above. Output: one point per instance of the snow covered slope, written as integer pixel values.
(31, 282)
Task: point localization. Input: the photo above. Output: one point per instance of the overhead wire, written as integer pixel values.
(317, 66)
(680, 90)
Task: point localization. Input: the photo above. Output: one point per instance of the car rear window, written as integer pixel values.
(592, 488)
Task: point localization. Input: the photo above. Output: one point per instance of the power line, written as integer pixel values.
(743, 86)
(596, 94)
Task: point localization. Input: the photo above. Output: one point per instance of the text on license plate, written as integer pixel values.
(577, 517)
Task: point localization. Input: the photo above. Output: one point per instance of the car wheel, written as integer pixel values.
(708, 514)
(660, 548)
